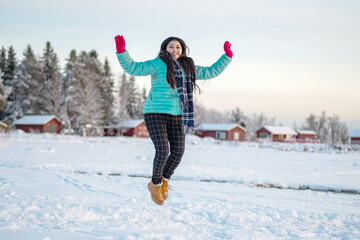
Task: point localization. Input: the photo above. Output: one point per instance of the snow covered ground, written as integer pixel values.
(69, 187)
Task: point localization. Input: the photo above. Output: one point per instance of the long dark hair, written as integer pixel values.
(186, 63)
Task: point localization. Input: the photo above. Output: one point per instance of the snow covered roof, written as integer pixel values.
(218, 126)
(127, 124)
(306, 132)
(35, 119)
(355, 133)
(279, 130)
(130, 123)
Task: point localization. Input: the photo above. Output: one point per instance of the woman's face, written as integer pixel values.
(174, 48)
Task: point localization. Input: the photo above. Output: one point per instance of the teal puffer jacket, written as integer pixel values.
(162, 98)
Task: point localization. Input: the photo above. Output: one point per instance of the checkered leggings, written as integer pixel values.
(165, 130)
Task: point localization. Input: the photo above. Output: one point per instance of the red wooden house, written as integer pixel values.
(229, 132)
(306, 136)
(355, 136)
(128, 128)
(39, 123)
(276, 134)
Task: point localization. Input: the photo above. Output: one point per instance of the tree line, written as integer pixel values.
(328, 129)
(82, 95)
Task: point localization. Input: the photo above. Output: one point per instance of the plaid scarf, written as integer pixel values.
(185, 93)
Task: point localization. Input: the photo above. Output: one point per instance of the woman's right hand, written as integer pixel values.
(120, 43)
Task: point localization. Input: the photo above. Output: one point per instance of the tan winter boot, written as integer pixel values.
(156, 193)
(165, 190)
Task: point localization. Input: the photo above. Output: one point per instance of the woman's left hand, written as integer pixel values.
(120, 43)
(227, 49)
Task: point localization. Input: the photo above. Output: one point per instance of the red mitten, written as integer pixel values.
(120, 43)
(227, 49)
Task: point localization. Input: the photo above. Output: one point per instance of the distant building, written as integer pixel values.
(306, 136)
(355, 136)
(276, 134)
(129, 128)
(229, 132)
(39, 123)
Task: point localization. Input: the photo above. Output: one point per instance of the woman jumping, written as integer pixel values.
(169, 109)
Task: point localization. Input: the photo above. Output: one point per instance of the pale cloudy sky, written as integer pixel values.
(291, 57)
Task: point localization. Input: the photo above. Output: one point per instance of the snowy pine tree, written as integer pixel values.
(142, 100)
(9, 65)
(9, 68)
(122, 98)
(132, 100)
(30, 72)
(344, 133)
(322, 130)
(311, 123)
(51, 100)
(2, 61)
(4, 93)
(334, 129)
(105, 85)
(238, 117)
(62, 111)
(88, 95)
(71, 85)
(339, 132)
(108, 94)
(15, 102)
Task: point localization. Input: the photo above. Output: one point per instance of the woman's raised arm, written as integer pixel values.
(129, 65)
